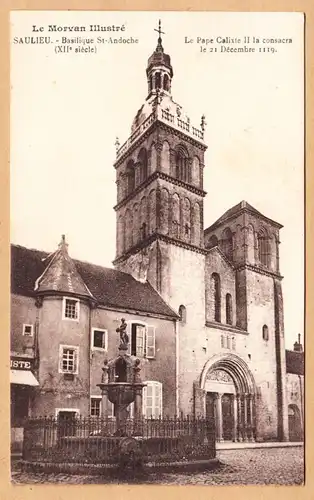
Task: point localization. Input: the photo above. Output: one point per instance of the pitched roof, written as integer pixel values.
(108, 286)
(61, 274)
(236, 210)
(295, 362)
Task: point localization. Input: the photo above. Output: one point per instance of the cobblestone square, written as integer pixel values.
(282, 466)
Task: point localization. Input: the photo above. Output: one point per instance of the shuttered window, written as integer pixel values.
(141, 340)
(152, 399)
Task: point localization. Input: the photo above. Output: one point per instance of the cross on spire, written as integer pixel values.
(159, 45)
(159, 29)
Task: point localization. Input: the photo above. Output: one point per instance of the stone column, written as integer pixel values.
(219, 417)
(250, 420)
(235, 418)
(138, 411)
(239, 417)
(104, 404)
(245, 422)
(104, 391)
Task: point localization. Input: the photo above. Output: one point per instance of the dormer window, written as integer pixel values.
(71, 309)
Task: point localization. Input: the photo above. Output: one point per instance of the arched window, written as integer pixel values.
(212, 242)
(228, 309)
(263, 247)
(182, 165)
(265, 333)
(182, 314)
(166, 82)
(226, 243)
(157, 80)
(216, 296)
(142, 164)
(130, 176)
(150, 83)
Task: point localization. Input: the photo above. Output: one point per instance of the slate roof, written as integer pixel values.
(235, 210)
(108, 286)
(295, 362)
(61, 274)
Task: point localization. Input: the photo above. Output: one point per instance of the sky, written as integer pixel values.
(68, 108)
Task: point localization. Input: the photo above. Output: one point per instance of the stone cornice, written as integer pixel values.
(158, 237)
(180, 133)
(259, 270)
(228, 328)
(160, 175)
(155, 124)
(135, 144)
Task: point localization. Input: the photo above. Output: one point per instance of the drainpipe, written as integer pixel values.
(176, 326)
(90, 357)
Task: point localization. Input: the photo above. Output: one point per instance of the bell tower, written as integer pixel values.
(159, 176)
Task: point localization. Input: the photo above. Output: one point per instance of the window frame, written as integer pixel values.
(151, 346)
(73, 299)
(152, 383)
(25, 325)
(76, 349)
(105, 337)
(97, 398)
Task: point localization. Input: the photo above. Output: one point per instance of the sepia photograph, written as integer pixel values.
(157, 247)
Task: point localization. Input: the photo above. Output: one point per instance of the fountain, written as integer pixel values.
(121, 385)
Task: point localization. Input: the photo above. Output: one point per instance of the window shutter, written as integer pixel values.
(150, 341)
(75, 361)
(140, 339)
(61, 360)
(129, 334)
(144, 401)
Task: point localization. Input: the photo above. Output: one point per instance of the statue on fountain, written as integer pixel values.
(124, 338)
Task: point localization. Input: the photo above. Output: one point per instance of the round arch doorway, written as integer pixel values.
(230, 397)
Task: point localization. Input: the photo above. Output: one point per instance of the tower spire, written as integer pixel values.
(159, 47)
(159, 70)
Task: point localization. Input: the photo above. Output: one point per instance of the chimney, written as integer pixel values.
(297, 346)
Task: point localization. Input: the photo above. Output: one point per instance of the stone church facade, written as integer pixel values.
(204, 306)
(224, 280)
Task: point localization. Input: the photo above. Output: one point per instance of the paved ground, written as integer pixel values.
(250, 466)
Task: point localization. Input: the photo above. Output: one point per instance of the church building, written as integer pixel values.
(203, 306)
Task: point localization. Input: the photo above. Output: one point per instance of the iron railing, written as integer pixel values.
(96, 440)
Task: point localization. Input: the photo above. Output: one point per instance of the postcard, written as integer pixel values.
(157, 247)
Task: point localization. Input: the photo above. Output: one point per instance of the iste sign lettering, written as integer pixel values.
(20, 364)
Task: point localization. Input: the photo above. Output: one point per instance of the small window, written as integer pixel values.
(152, 399)
(28, 330)
(71, 309)
(182, 314)
(68, 359)
(99, 339)
(265, 333)
(95, 406)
